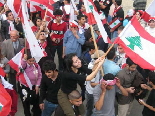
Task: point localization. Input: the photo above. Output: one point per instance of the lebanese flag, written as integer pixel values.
(138, 44)
(149, 12)
(2, 3)
(114, 23)
(94, 18)
(33, 27)
(44, 2)
(14, 6)
(35, 49)
(51, 2)
(2, 73)
(15, 63)
(5, 102)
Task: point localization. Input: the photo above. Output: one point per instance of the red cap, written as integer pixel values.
(73, 24)
(152, 18)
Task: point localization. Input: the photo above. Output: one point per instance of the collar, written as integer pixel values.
(127, 71)
(54, 21)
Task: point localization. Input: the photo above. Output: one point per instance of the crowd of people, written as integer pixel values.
(104, 81)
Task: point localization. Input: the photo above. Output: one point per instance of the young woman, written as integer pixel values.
(138, 15)
(74, 74)
(30, 97)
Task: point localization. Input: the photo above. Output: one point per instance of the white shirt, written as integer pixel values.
(89, 88)
(151, 31)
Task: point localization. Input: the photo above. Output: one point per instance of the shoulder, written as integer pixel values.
(21, 40)
(97, 89)
(5, 22)
(7, 41)
(121, 73)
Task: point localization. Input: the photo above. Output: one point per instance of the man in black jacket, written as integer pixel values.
(9, 25)
(50, 84)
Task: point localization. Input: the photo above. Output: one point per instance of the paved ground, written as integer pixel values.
(137, 109)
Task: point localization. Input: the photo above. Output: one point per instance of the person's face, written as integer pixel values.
(119, 31)
(152, 24)
(93, 51)
(76, 102)
(76, 62)
(82, 20)
(132, 68)
(74, 28)
(49, 73)
(14, 37)
(10, 17)
(37, 15)
(42, 36)
(31, 61)
(137, 15)
(65, 2)
(58, 18)
(38, 22)
(120, 49)
(83, 8)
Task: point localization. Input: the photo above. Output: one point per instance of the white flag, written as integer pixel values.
(35, 49)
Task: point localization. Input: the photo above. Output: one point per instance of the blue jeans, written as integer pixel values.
(48, 108)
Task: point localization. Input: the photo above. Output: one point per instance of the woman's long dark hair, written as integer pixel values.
(68, 62)
(35, 20)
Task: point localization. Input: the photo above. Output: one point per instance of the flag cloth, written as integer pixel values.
(14, 6)
(138, 44)
(94, 18)
(149, 12)
(35, 49)
(5, 102)
(1, 3)
(15, 63)
(114, 24)
(2, 72)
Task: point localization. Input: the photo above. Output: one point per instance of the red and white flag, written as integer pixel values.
(15, 63)
(149, 12)
(94, 18)
(35, 49)
(14, 6)
(138, 44)
(5, 102)
(2, 2)
(115, 23)
(2, 72)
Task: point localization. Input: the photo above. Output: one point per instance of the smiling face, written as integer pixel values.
(138, 15)
(31, 61)
(49, 73)
(152, 24)
(10, 16)
(42, 36)
(14, 36)
(38, 22)
(76, 62)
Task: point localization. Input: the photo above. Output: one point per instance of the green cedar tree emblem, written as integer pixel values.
(134, 41)
(91, 7)
(1, 108)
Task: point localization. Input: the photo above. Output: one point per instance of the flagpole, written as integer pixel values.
(25, 46)
(96, 48)
(108, 50)
(45, 14)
